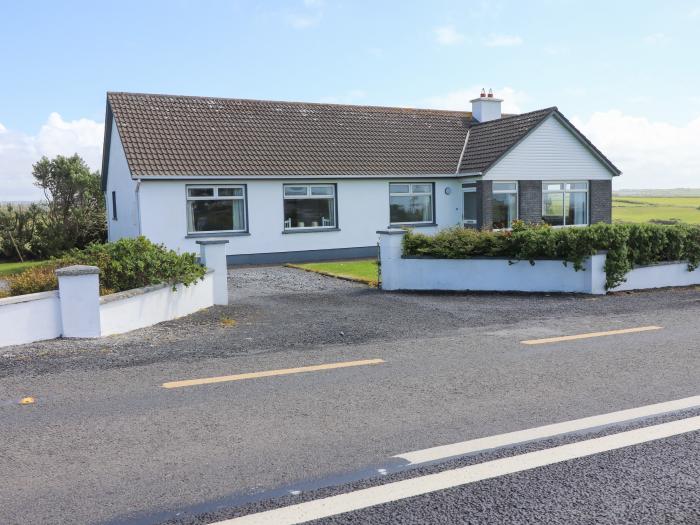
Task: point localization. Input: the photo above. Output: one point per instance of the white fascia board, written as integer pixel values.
(303, 177)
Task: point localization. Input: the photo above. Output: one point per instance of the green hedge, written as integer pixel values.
(627, 245)
(124, 265)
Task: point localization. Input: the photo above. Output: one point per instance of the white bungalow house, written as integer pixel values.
(289, 181)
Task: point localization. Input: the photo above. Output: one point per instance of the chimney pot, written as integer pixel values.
(490, 93)
(483, 92)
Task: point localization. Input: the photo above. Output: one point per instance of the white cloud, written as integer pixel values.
(18, 151)
(448, 36)
(459, 100)
(695, 13)
(655, 39)
(502, 41)
(650, 154)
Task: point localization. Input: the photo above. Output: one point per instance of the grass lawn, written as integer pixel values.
(645, 209)
(9, 268)
(361, 270)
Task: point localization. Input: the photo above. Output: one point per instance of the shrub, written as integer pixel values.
(36, 279)
(627, 245)
(124, 265)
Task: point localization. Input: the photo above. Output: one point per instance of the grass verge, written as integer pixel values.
(360, 270)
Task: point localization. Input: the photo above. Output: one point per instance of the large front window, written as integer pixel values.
(410, 203)
(216, 209)
(505, 204)
(309, 206)
(565, 203)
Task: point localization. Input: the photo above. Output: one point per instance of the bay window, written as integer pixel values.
(212, 209)
(411, 203)
(565, 203)
(505, 204)
(309, 206)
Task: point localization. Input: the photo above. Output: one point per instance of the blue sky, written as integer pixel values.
(626, 72)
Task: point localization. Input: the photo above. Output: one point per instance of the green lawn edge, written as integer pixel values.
(374, 283)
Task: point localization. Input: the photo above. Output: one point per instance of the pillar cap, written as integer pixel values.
(212, 241)
(77, 269)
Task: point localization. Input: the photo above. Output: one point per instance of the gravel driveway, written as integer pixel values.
(277, 309)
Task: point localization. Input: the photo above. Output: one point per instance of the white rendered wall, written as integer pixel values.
(660, 276)
(363, 208)
(134, 309)
(550, 152)
(28, 318)
(119, 180)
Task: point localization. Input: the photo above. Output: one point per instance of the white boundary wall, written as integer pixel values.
(77, 310)
(126, 311)
(501, 275)
(30, 317)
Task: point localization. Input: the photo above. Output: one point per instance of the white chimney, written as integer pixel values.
(486, 107)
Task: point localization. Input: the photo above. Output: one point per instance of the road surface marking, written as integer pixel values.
(547, 431)
(590, 335)
(269, 373)
(398, 490)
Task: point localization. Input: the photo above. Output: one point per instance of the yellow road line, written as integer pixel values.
(590, 335)
(269, 373)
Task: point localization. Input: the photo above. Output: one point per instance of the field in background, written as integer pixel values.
(656, 209)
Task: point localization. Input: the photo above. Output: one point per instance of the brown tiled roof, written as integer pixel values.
(166, 135)
(489, 141)
(184, 136)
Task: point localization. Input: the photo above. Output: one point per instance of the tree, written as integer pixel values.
(75, 208)
(18, 230)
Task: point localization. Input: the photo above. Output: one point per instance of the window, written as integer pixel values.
(505, 204)
(469, 203)
(216, 209)
(565, 203)
(114, 205)
(309, 206)
(410, 203)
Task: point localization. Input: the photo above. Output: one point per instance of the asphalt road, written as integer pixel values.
(106, 443)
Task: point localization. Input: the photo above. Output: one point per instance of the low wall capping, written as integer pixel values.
(28, 297)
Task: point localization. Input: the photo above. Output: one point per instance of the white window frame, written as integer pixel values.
(333, 196)
(215, 197)
(469, 188)
(411, 193)
(494, 191)
(567, 189)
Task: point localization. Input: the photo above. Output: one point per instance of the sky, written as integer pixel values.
(625, 72)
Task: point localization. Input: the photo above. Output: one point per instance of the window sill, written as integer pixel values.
(310, 230)
(413, 225)
(216, 234)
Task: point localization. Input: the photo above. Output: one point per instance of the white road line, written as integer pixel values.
(522, 436)
(364, 498)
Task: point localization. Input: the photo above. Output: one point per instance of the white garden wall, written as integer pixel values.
(77, 310)
(501, 275)
(31, 317)
(126, 311)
